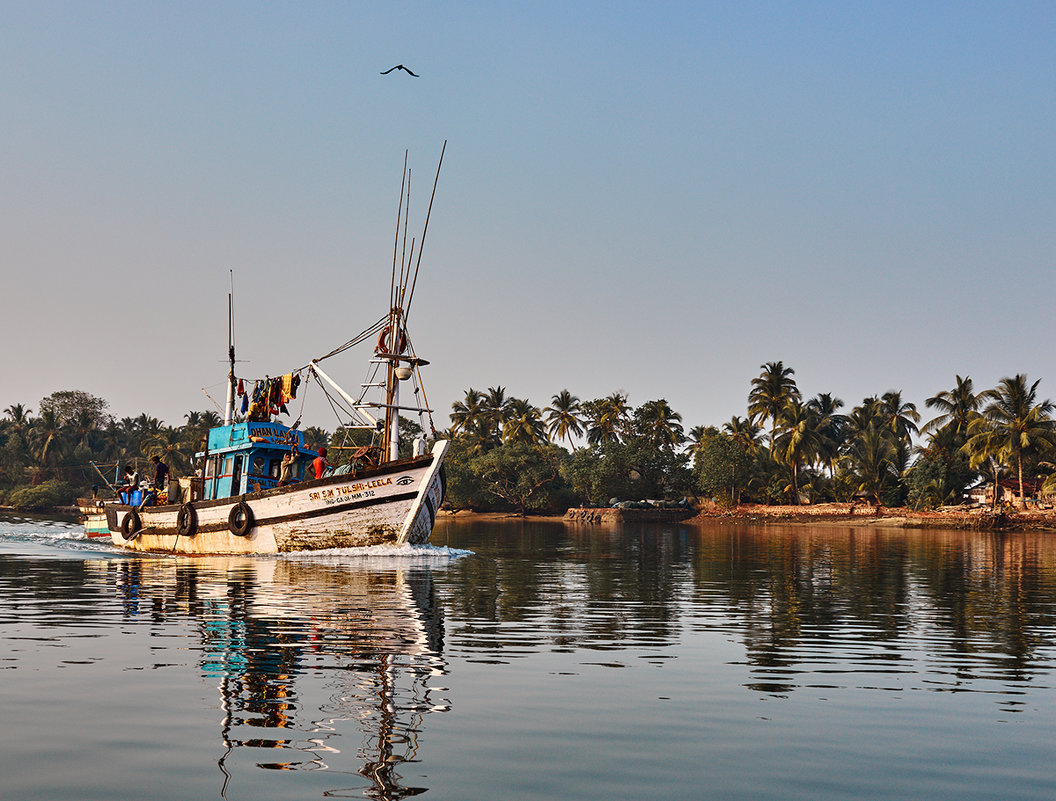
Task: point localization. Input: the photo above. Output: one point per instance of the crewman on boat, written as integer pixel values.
(289, 464)
(319, 463)
(131, 479)
(161, 472)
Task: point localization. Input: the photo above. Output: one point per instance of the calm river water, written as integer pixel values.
(523, 660)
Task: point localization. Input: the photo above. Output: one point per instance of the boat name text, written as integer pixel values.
(349, 492)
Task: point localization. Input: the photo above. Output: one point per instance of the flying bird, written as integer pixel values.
(399, 67)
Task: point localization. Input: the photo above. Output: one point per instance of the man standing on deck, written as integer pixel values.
(289, 463)
(319, 463)
(161, 472)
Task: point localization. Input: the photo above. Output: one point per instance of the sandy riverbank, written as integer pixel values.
(825, 514)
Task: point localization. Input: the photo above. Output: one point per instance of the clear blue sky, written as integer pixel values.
(648, 197)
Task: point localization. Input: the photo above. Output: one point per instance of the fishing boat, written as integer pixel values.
(237, 503)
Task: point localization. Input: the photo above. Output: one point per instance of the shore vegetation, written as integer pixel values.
(510, 455)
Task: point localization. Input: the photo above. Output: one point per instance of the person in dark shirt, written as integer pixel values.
(161, 472)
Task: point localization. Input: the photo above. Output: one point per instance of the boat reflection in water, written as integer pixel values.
(308, 654)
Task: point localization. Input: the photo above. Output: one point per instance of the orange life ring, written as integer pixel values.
(383, 342)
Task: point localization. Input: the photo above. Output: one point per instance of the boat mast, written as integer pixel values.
(391, 436)
(229, 407)
(395, 341)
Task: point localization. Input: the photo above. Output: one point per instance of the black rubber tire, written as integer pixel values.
(240, 520)
(187, 521)
(131, 525)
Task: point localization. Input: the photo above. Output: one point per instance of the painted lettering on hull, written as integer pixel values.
(349, 492)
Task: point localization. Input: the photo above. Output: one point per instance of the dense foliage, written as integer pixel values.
(46, 460)
(508, 454)
(787, 449)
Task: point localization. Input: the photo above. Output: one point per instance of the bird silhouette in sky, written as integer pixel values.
(399, 67)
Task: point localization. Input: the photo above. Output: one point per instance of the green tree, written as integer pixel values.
(773, 388)
(1012, 423)
(721, 466)
(496, 411)
(830, 427)
(607, 418)
(470, 422)
(658, 424)
(50, 442)
(798, 441)
(523, 423)
(957, 408)
(76, 405)
(747, 433)
(871, 455)
(562, 417)
(523, 475)
(168, 445)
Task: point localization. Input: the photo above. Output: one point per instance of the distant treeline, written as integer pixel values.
(508, 454)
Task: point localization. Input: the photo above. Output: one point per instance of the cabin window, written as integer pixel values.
(275, 468)
(229, 465)
(210, 467)
(259, 466)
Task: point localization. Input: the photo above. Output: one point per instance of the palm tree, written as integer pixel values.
(467, 414)
(798, 441)
(606, 418)
(495, 410)
(21, 421)
(1012, 423)
(562, 419)
(211, 419)
(697, 437)
(831, 428)
(770, 392)
(901, 420)
(864, 415)
(745, 432)
(957, 408)
(48, 433)
(167, 446)
(659, 424)
(83, 425)
(871, 455)
(524, 423)
(314, 436)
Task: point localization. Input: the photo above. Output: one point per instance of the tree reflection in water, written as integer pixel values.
(808, 604)
(269, 627)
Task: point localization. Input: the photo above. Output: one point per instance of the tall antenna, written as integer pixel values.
(229, 407)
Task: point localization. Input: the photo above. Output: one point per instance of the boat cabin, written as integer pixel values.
(247, 457)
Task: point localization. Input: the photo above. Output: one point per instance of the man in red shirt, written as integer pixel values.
(319, 463)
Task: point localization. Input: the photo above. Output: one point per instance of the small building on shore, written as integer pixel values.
(982, 494)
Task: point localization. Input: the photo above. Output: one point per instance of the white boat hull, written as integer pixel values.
(395, 503)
